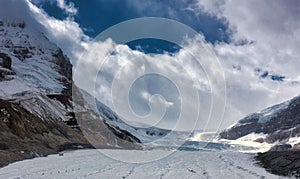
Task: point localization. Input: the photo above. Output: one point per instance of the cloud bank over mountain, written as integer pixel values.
(260, 60)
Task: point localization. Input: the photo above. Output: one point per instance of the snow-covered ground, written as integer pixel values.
(180, 164)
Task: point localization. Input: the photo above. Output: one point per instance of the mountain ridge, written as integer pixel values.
(37, 109)
(275, 120)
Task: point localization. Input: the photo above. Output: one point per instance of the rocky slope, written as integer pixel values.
(280, 123)
(37, 113)
(25, 135)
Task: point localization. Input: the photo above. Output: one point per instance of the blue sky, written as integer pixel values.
(98, 15)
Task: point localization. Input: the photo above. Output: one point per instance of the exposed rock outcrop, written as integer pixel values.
(5, 61)
(285, 163)
(282, 147)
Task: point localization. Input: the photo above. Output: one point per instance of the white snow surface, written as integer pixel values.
(180, 164)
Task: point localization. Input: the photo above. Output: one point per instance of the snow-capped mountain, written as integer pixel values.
(38, 64)
(279, 124)
(37, 112)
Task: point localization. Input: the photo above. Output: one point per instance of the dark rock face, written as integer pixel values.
(284, 119)
(6, 61)
(122, 134)
(5, 67)
(283, 135)
(22, 52)
(239, 131)
(285, 163)
(281, 147)
(65, 69)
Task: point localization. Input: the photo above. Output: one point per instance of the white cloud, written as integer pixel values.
(146, 95)
(272, 33)
(65, 33)
(121, 68)
(68, 8)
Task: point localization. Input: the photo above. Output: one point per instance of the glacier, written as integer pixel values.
(180, 164)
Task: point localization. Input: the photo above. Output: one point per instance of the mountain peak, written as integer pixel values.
(30, 60)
